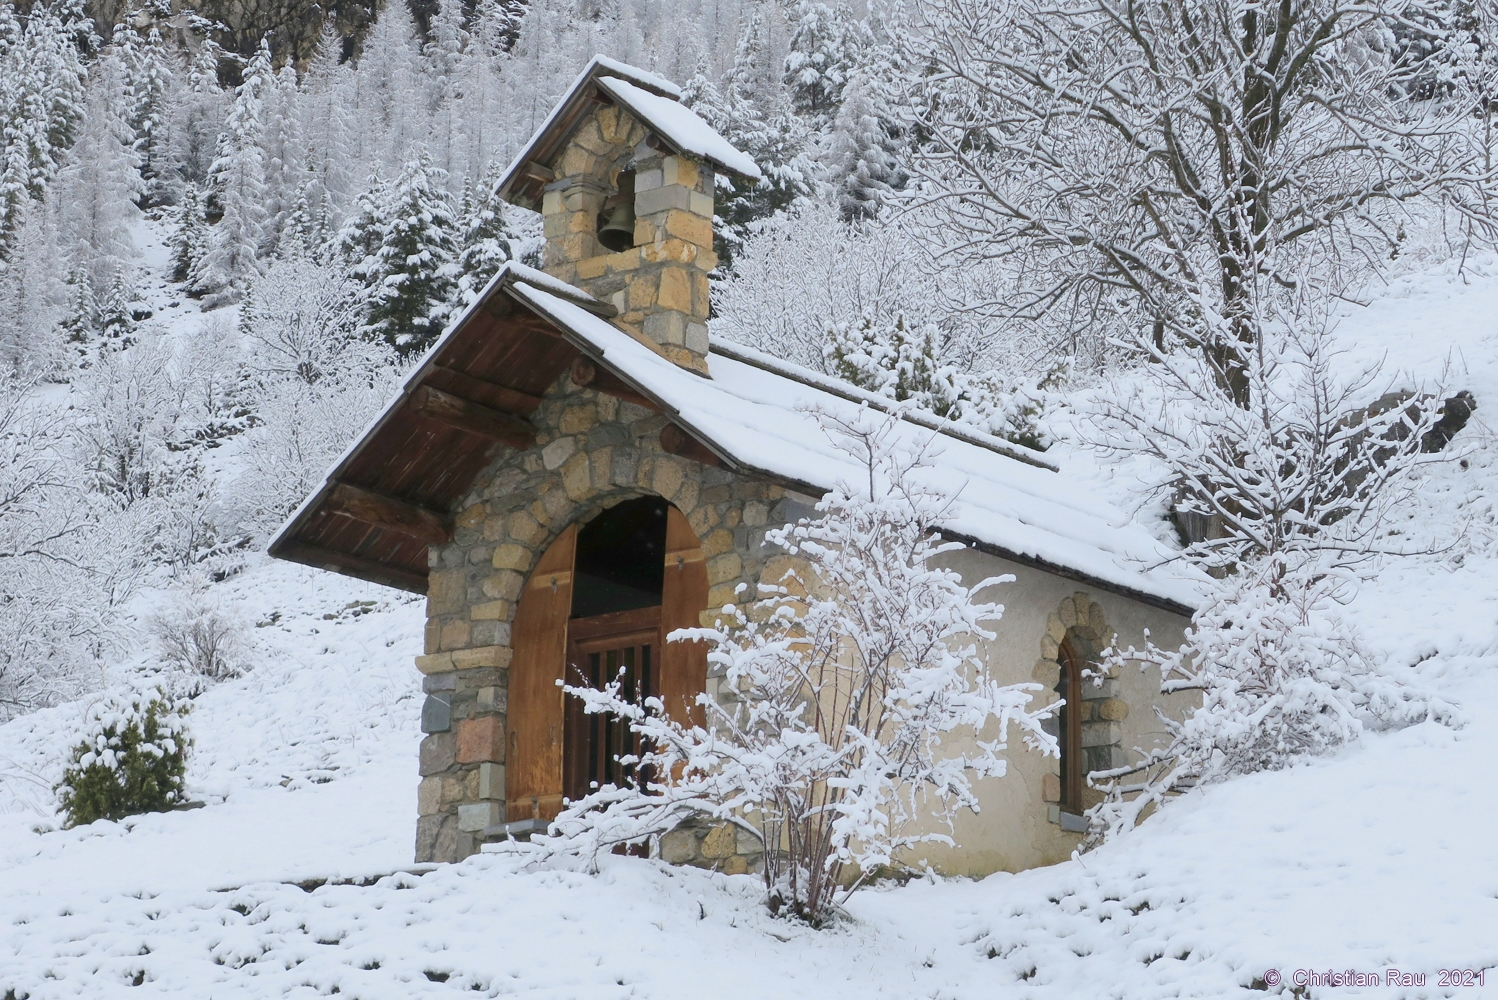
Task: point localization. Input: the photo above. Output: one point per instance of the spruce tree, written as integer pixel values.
(188, 241)
(865, 161)
(413, 281)
(816, 66)
(777, 144)
(238, 189)
(80, 320)
(116, 319)
(487, 239)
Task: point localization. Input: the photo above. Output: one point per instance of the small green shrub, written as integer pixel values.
(133, 759)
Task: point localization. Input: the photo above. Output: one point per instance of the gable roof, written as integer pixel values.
(754, 415)
(654, 101)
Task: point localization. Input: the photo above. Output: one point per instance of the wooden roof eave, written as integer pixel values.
(287, 545)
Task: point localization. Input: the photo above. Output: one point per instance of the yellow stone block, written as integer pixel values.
(667, 478)
(642, 292)
(724, 568)
(676, 290)
(576, 162)
(680, 170)
(435, 663)
(719, 842)
(483, 656)
(670, 252)
(472, 517)
(512, 556)
(490, 611)
(717, 543)
(525, 528)
(692, 228)
(576, 419)
(455, 634)
(593, 267)
(576, 477)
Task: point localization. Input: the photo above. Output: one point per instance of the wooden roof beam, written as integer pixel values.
(351, 565)
(587, 375)
(474, 418)
(369, 507)
(676, 441)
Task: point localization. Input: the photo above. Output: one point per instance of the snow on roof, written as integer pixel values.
(763, 421)
(679, 125)
(644, 78)
(655, 100)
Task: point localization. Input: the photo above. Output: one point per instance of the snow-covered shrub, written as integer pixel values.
(1282, 675)
(132, 759)
(301, 320)
(1301, 486)
(842, 685)
(197, 638)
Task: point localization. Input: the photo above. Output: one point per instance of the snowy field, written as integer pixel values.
(294, 878)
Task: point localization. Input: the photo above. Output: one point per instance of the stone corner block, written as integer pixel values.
(481, 740)
(474, 817)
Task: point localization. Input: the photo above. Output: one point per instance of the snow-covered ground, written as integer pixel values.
(293, 879)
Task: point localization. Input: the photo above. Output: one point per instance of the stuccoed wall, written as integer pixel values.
(592, 451)
(1017, 826)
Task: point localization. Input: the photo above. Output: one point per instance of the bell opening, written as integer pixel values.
(616, 223)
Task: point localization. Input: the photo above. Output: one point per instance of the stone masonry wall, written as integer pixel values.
(659, 286)
(591, 452)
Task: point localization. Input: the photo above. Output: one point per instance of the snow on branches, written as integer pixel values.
(842, 690)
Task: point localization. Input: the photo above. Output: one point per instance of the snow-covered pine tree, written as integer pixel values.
(324, 125)
(413, 281)
(357, 244)
(496, 24)
(79, 324)
(197, 113)
(486, 240)
(188, 241)
(816, 67)
(284, 153)
(41, 108)
(238, 192)
(116, 317)
(148, 82)
(865, 162)
(777, 145)
(897, 360)
(387, 88)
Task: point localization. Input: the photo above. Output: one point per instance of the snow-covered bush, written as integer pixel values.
(1299, 489)
(842, 687)
(197, 639)
(1282, 675)
(132, 759)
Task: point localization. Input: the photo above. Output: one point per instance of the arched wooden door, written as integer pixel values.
(556, 750)
(533, 762)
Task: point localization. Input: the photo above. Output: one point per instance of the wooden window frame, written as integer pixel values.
(1072, 757)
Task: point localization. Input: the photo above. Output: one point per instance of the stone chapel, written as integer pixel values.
(575, 470)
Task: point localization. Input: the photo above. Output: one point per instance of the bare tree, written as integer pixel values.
(1175, 165)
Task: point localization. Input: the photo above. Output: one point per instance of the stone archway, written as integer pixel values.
(1080, 625)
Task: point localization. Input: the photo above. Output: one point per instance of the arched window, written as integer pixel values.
(1073, 765)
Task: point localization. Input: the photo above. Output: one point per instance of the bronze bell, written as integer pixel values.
(618, 231)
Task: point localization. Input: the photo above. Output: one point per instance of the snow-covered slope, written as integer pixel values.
(1379, 858)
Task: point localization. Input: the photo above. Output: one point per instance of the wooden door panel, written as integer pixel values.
(535, 717)
(683, 671)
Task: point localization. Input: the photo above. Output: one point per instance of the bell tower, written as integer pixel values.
(623, 176)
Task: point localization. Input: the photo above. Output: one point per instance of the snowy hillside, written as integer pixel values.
(1379, 857)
